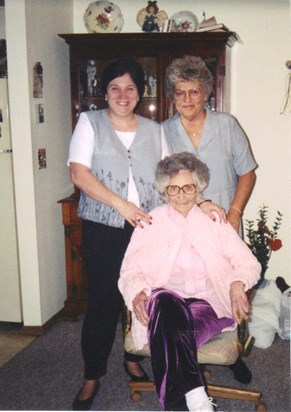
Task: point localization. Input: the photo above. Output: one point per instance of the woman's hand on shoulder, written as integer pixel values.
(139, 307)
(133, 214)
(212, 210)
(239, 301)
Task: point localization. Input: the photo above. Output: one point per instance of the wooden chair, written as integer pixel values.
(220, 350)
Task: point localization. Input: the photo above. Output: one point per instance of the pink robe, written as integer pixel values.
(151, 253)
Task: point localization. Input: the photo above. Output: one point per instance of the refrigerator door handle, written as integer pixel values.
(5, 150)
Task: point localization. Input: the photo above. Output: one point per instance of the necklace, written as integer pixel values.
(196, 124)
(196, 132)
(195, 137)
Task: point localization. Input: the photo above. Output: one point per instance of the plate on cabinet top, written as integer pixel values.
(103, 17)
(184, 21)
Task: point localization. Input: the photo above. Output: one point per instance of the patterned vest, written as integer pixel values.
(110, 165)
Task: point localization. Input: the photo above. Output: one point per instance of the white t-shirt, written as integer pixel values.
(82, 146)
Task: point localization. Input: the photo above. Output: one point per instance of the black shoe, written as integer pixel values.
(134, 378)
(241, 372)
(281, 284)
(86, 404)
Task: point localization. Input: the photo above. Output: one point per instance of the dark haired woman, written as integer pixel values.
(113, 157)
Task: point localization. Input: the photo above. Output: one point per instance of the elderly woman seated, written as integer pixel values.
(185, 278)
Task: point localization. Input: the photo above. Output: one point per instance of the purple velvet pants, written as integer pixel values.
(177, 327)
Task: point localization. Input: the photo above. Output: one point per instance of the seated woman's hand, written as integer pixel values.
(139, 307)
(239, 301)
(209, 208)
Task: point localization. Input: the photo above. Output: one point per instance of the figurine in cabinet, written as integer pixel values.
(150, 86)
(92, 78)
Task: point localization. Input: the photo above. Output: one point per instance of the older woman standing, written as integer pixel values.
(199, 290)
(215, 138)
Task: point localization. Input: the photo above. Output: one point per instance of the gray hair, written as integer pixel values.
(171, 165)
(188, 68)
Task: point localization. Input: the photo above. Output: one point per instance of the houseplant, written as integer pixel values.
(261, 239)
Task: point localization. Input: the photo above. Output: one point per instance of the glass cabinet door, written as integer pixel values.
(89, 86)
(90, 53)
(148, 106)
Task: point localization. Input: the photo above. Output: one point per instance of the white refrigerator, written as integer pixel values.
(10, 295)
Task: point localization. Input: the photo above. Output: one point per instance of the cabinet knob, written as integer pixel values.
(67, 230)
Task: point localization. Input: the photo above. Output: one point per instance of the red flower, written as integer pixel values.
(275, 244)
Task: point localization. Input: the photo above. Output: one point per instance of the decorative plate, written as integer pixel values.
(103, 17)
(184, 21)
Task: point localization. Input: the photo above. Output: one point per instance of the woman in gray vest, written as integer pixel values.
(113, 156)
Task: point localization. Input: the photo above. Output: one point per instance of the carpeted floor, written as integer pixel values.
(48, 374)
(12, 341)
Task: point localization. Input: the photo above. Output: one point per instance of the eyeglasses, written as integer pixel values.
(173, 190)
(191, 94)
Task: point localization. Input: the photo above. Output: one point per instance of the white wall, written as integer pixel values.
(258, 75)
(40, 231)
(48, 18)
(22, 164)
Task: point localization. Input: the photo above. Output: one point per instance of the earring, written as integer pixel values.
(105, 98)
(137, 99)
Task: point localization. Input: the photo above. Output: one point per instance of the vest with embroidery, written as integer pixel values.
(110, 165)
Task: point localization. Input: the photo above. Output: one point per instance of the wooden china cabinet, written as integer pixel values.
(89, 54)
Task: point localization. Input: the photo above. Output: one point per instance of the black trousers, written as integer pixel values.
(103, 248)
